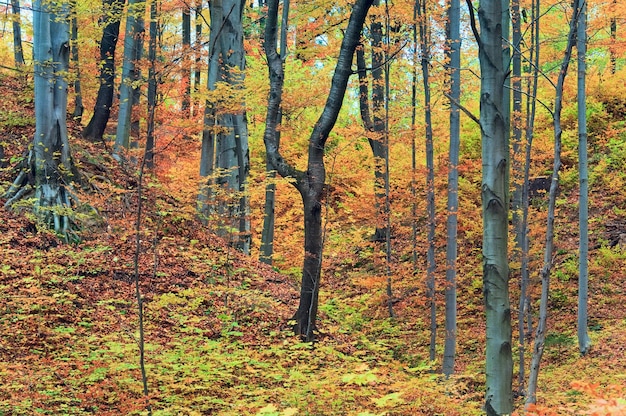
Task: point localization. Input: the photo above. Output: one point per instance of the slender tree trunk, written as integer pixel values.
(186, 24)
(540, 336)
(430, 175)
(133, 44)
(584, 343)
(310, 184)
(374, 121)
(614, 40)
(197, 53)
(495, 202)
(18, 52)
(102, 109)
(225, 135)
(525, 313)
(78, 96)
(152, 82)
(454, 69)
(267, 235)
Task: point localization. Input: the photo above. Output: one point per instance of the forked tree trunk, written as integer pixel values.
(311, 183)
(104, 99)
(267, 235)
(495, 203)
(454, 69)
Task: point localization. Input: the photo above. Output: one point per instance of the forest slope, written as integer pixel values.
(217, 323)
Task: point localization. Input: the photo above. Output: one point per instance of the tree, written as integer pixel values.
(152, 82)
(267, 235)
(186, 26)
(454, 69)
(310, 184)
(18, 51)
(133, 45)
(549, 246)
(78, 96)
(49, 163)
(374, 120)
(495, 207)
(102, 110)
(424, 35)
(225, 160)
(584, 343)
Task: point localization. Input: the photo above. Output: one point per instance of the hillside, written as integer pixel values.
(218, 338)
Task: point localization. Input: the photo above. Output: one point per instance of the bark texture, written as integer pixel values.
(310, 184)
(495, 203)
(225, 161)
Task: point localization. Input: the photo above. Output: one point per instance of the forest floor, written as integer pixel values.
(218, 338)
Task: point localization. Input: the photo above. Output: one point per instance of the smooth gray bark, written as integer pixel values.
(540, 335)
(424, 36)
(454, 69)
(525, 313)
(52, 162)
(495, 207)
(310, 184)
(584, 343)
(133, 44)
(224, 160)
(18, 51)
(267, 235)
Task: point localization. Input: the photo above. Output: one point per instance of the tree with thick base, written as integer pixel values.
(310, 183)
(49, 169)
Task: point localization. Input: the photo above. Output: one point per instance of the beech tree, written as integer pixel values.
(540, 335)
(133, 45)
(111, 14)
(18, 52)
(49, 163)
(277, 64)
(495, 206)
(454, 69)
(225, 160)
(310, 184)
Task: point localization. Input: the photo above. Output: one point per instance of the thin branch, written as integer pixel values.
(464, 109)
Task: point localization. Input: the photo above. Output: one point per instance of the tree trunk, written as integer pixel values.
(186, 23)
(612, 52)
(152, 83)
(102, 109)
(18, 52)
(310, 184)
(78, 96)
(495, 203)
(549, 248)
(454, 69)
(133, 44)
(525, 313)
(267, 235)
(225, 134)
(52, 162)
(584, 343)
(374, 121)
